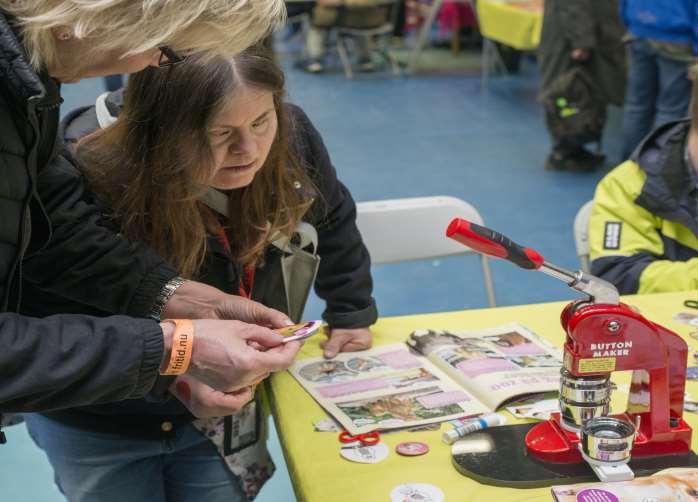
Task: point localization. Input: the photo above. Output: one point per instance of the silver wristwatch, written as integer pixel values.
(164, 295)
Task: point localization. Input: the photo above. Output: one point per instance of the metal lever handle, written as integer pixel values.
(491, 243)
(487, 241)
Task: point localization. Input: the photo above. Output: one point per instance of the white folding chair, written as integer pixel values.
(581, 235)
(415, 229)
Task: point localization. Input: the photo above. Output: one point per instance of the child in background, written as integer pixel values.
(643, 231)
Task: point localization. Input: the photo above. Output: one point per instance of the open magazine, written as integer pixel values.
(496, 364)
(670, 485)
(447, 375)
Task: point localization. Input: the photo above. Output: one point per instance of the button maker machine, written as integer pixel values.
(583, 441)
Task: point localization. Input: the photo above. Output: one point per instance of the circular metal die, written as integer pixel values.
(589, 390)
(607, 439)
(578, 414)
(583, 381)
(613, 326)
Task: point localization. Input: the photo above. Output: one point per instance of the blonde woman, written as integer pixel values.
(214, 129)
(70, 360)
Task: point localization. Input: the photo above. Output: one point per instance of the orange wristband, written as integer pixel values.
(182, 347)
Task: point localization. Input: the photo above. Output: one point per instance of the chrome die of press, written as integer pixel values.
(607, 439)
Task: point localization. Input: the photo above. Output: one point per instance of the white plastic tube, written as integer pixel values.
(476, 424)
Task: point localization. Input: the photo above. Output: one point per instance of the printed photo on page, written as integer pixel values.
(384, 388)
(495, 364)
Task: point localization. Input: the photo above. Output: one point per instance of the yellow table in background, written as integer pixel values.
(516, 23)
(319, 474)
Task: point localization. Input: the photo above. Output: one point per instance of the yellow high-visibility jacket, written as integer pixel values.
(643, 231)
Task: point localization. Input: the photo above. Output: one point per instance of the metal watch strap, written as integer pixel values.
(164, 295)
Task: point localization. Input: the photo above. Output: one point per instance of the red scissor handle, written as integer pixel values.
(369, 438)
(491, 243)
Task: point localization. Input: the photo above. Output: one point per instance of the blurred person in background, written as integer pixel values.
(347, 14)
(583, 34)
(663, 41)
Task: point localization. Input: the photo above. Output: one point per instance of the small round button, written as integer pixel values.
(166, 426)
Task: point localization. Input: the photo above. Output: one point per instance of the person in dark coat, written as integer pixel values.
(204, 132)
(50, 235)
(588, 33)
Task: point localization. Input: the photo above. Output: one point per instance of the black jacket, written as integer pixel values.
(343, 281)
(49, 235)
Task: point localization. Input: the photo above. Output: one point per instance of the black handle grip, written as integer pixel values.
(489, 242)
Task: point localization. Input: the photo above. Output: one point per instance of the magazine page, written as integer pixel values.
(666, 486)
(494, 364)
(386, 387)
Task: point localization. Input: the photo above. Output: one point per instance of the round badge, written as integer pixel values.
(365, 454)
(593, 494)
(416, 492)
(412, 448)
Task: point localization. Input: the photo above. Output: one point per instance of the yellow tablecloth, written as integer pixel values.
(319, 474)
(516, 23)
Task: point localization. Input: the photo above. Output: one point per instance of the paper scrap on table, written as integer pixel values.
(536, 406)
(416, 492)
(327, 425)
(686, 318)
(689, 403)
(540, 410)
(692, 373)
(371, 454)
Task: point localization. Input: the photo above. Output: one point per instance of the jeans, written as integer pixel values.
(103, 467)
(659, 91)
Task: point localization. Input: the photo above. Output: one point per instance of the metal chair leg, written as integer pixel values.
(491, 61)
(385, 52)
(344, 56)
(489, 285)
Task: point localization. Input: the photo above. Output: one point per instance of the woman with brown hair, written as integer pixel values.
(186, 139)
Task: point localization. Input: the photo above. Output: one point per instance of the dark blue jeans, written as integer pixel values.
(100, 467)
(659, 91)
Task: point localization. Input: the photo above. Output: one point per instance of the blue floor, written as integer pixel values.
(397, 137)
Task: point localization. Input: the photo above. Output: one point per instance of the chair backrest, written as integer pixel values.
(581, 234)
(412, 228)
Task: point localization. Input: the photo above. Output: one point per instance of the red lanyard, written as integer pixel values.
(247, 278)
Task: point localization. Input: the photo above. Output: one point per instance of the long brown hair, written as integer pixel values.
(152, 165)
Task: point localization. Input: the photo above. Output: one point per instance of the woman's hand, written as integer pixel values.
(204, 402)
(195, 300)
(346, 340)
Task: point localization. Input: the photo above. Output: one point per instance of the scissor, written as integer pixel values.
(691, 304)
(366, 439)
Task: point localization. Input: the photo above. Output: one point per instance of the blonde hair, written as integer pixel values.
(220, 27)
